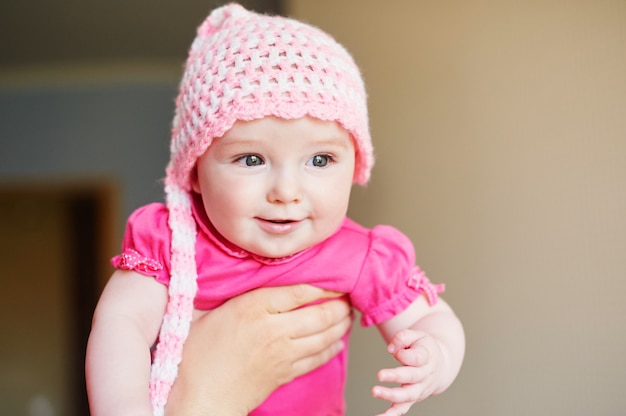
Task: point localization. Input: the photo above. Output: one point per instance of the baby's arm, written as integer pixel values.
(125, 325)
(430, 343)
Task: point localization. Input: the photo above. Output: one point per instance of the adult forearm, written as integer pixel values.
(184, 400)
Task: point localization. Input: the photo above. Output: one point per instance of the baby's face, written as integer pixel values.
(275, 187)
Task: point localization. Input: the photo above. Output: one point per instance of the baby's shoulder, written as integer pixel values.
(149, 220)
(152, 210)
(382, 241)
(150, 213)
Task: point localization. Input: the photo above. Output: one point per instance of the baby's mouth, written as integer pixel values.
(278, 225)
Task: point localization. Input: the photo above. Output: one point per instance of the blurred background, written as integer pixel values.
(500, 136)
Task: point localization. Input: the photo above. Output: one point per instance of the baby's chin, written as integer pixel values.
(276, 252)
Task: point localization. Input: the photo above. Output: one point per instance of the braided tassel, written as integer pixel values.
(182, 290)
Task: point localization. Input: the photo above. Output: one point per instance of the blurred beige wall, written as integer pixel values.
(500, 134)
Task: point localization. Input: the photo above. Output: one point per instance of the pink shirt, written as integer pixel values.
(375, 267)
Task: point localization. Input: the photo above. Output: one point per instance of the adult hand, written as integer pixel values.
(238, 354)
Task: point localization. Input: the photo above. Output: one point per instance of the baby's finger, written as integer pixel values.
(402, 375)
(405, 394)
(417, 356)
(404, 339)
(397, 409)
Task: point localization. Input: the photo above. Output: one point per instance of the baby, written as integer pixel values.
(270, 133)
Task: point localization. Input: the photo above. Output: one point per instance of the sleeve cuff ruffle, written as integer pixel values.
(422, 285)
(132, 260)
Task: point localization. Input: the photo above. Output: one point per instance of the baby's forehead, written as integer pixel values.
(305, 129)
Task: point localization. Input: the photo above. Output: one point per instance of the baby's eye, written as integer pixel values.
(320, 161)
(251, 160)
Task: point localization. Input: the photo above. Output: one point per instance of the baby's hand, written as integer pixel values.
(420, 375)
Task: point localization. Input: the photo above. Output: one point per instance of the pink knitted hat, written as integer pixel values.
(245, 66)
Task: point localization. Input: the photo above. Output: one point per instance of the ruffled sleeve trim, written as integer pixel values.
(420, 283)
(131, 260)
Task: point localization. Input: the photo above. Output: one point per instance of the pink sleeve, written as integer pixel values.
(146, 243)
(390, 280)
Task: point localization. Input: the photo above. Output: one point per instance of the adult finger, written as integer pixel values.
(315, 318)
(281, 299)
